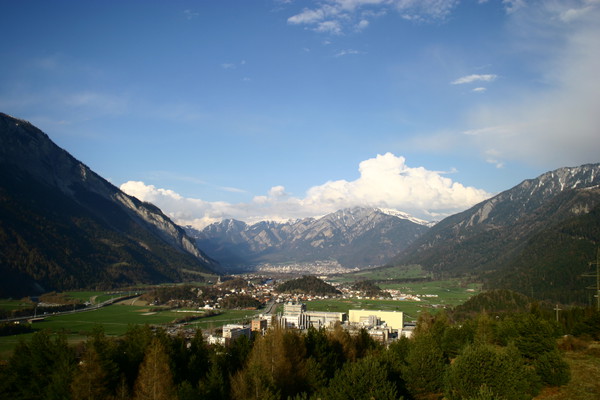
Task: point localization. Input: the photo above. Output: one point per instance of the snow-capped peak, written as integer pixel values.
(403, 215)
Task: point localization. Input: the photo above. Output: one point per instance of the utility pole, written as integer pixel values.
(597, 276)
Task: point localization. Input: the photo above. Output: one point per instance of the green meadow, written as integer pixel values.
(116, 319)
(10, 304)
(383, 274)
(448, 293)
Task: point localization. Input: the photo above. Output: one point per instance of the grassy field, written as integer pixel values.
(411, 309)
(383, 273)
(83, 296)
(585, 377)
(227, 317)
(9, 304)
(447, 293)
(116, 319)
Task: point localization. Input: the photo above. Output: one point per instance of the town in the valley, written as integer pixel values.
(259, 294)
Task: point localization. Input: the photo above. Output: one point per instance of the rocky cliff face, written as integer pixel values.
(44, 183)
(355, 237)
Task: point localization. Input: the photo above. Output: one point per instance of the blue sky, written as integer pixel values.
(287, 108)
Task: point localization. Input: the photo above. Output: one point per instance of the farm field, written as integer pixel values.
(93, 297)
(115, 320)
(448, 293)
(10, 304)
(383, 273)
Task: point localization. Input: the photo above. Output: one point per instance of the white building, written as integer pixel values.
(234, 331)
(325, 319)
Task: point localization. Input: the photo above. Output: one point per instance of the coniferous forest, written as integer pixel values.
(486, 356)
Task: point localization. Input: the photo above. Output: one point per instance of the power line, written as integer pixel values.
(597, 276)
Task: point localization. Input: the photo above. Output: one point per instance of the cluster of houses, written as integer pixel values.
(265, 292)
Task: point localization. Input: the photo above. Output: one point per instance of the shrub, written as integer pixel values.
(482, 371)
(552, 369)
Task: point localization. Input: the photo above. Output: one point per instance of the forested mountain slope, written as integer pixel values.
(62, 226)
(495, 238)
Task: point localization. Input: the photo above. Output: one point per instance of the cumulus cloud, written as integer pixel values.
(556, 125)
(186, 211)
(384, 181)
(337, 16)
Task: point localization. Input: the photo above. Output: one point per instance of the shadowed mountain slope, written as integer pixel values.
(62, 226)
(494, 238)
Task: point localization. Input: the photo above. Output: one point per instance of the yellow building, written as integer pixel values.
(393, 319)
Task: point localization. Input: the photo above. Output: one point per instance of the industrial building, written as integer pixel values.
(369, 318)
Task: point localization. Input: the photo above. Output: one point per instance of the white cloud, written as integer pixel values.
(333, 27)
(474, 78)
(307, 17)
(363, 24)
(512, 6)
(337, 16)
(479, 90)
(492, 158)
(579, 10)
(385, 181)
(425, 10)
(556, 125)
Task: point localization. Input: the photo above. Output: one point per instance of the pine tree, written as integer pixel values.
(367, 378)
(40, 369)
(276, 368)
(89, 382)
(328, 355)
(130, 352)
(552, 369)
(155, 381)
(214, 386)
(425, 366)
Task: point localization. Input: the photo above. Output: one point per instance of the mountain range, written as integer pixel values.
(62, 226)
(537, 237)
(354, 237)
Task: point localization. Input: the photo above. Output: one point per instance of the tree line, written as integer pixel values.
(510, 356)
(308, 284)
